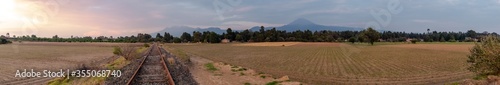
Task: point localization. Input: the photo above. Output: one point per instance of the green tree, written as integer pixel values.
(353, 39)
(239, 38)
(158, 37)
(33, 36)
(452, 39)
(213, 37)
(147, 38)
(186, 37)
(484, 57)
(167, 37)
(197, 36)
(177, 40)
(230, 34)
(246, 34)
(471, 33)
(55, 37)
(370, 35)
(142, 37)
(442, 39)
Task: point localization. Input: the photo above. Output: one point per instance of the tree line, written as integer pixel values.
(274, 35)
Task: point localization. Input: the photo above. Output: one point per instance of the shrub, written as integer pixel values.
(262, 76)
(242, 69)
(480, 77)
(4, 41)
(247, 83)
(352, 39)
(484, 57)
(146, 45)
(129, 52)
(272, 83)
(210, 67)
(117, 51)
(234, 67)
(414, 41)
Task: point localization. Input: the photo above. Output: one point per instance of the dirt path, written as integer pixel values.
(226, 76)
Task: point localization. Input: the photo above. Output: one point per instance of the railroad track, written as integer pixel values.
(152, 69)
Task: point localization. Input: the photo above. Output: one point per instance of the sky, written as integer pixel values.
(66, 18)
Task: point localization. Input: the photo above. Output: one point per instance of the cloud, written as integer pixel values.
(423, 21)
(157, 14)
(130, 16)
(245, 24)
(244, 9)
(453, 2)
(336, 10)
(305, 1)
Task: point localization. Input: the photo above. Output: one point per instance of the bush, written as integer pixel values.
(242, 74)
(210, 67)
(484, 57)
(414, 41)
(272, 83)
(4, 41)
(146, 45)
(117, 51)
(129, 52)
(242, 69)
(352, 39)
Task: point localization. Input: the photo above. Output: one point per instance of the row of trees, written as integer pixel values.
(274, 35)
(368, 35)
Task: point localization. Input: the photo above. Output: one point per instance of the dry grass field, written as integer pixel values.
(49, 56)
(327, 63)
(268, 44)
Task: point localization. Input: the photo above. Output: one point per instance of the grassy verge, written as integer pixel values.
(92, 81)
(179, 53)
(116, 64)
(80, 81)
(272, 83)
(139, 52)
(60, 81)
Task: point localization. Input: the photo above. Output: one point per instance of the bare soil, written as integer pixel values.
(225, 76)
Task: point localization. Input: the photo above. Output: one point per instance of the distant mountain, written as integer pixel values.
(299, 24)
(304, 24)
(177, 31)
(302, 21)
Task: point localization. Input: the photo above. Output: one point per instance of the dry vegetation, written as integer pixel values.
(327, 63)
(268, 44)
(49, 56)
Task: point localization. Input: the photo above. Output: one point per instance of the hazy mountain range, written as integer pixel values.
(298, 24)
